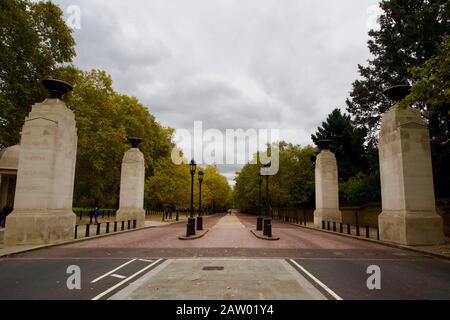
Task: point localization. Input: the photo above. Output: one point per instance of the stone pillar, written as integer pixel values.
(45, 177)
(409, 215)
(131, 205)
(4, 191)
(327, 187)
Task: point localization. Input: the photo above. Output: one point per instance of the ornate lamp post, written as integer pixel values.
(191, 220)
(200, 218)
(259, 219)
(267, 192)
(267, 221)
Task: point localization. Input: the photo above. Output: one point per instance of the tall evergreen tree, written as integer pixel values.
(347, 143)
(410, 32)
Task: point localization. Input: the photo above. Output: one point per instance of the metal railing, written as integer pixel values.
(116, 227)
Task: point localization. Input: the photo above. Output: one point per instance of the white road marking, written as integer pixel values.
(112, 271)
(118, 276)
(145, 260)
(320, 283)
(125, 281)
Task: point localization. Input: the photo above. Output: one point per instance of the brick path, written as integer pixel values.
(228, 231)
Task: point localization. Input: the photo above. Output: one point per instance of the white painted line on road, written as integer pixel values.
(118, 276)
(145, 260)
(320, 283)
(125, 281)
(112, 271)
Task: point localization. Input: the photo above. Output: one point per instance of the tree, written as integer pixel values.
(432, 88)
(410, 31)
(292, 185)
(171, 186)
(34, 40)
(105, 119)
(347, 143)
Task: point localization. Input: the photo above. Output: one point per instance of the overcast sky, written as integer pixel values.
(280, 64)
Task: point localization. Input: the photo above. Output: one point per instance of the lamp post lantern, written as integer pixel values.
(191, 220)
(200, 218)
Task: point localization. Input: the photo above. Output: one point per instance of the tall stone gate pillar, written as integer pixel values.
(327, 187)
(131, 204)
(409, 215)
(45, 176)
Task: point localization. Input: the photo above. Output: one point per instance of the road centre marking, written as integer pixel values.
(112, 271)
(125, 280)
(320, 283)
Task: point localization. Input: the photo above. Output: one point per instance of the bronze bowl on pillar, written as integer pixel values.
(397, 93)
(135, 142)
(324, 144)
(57, 88)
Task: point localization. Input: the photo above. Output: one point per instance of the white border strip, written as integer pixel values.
(320, 283)
(112, 271)
(125, 280)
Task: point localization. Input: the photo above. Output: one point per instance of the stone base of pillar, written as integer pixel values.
(411, 228)
(37, 227)
(326, 215)
(126, 214)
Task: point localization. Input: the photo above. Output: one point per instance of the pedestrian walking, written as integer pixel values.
(96, 214)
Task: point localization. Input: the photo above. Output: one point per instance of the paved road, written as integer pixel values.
(336, 266)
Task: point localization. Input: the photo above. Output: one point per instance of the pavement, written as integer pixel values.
(154, 264)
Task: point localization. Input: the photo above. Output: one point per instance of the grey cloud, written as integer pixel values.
(232, 64)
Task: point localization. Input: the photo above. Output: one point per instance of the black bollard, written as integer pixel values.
(259, 223)
(367, 232)
(328, 226)
(115, 226)
(349, 231)
(107, 227)
(76, 231)
(123, 225)
(190, 230)
(267, 227)
(98, 228)
(134, 224)
(378, 233)
(129, 225)
(357, 231)
(87, 230)
(323, 225)
(199, 223)
(341, 229)
(334, 226)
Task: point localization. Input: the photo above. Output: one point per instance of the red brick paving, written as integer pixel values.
(292, 237)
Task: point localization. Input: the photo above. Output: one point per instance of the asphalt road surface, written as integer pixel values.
(335, 265)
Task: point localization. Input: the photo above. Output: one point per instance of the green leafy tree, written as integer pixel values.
(347, 143)
(34, 40)
(410, 31)
(432, 88)
(105, 119)
(171, 186)
(292, 185)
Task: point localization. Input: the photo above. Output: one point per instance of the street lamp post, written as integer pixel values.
(200, 218)
(267, 196)
(259, 219)
(267, 221)
(191, 220)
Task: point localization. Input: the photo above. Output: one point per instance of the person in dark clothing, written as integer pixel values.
(4, 214)
(91, 216)
(96, 214)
